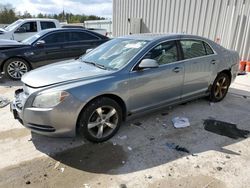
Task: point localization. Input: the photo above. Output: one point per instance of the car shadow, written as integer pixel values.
(151, 140)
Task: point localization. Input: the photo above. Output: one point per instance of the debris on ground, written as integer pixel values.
(123, 162)
(180, 122)
(194, 154)
(177, 147)
(225, 129)
(129, 148)
(149, 177)
(57, 165)
(124, 137)
(152, 138)
(123, 186)
(62, 170)
(164, 125)
(219, 168)
(114, 144)
(27, 182)
(4, 102)
(137, 123)
(85, 185)
(227, 156)
(164, 113)
(211, 103)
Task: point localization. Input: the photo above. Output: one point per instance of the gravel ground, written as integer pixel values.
(147, 151)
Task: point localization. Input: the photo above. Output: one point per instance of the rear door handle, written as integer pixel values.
(213, 61)
(177, 69)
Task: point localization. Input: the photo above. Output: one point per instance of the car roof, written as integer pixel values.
(39, 19)
(158, 36)
(51, 30)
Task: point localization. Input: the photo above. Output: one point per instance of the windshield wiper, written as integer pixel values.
(96, 65)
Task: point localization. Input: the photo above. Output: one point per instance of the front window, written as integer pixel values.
(164, 53)
(115, 53)
(29, 27)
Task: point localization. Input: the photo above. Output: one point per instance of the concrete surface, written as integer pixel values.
(145, 158)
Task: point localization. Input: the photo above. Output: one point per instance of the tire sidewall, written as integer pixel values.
(87, 112)
(6, 64)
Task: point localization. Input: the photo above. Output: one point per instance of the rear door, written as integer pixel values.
(153, 87)
(199, 62)
(79, 42)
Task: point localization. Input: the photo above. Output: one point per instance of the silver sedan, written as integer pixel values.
(92, 95)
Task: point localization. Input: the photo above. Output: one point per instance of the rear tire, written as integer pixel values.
(220, 87)
(15, 68)
(100, 120)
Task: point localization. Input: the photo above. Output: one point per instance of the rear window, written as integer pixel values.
(79, 36)
(193, 48)
(47, 25)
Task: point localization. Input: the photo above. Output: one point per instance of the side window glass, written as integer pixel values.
(209, 50)
(192, 48)
(163, 53)
(29, 27)
(54, 38)
(78, 36)
(47, 25)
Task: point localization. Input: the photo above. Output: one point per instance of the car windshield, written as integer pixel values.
(33, 38)
(13, 25)
(115, 53)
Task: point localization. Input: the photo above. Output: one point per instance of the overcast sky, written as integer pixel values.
(96, 7)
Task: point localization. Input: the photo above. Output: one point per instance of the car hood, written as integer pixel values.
(62, 72)
(7, 44)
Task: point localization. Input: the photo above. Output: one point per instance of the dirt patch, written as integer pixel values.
(225, 129)
(14, 134)
(189, 181)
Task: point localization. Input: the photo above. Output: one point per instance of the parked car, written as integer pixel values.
(92, 95)
(46, 47)
(24, 28)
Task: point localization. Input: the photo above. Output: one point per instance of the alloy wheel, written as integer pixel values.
(103, 122)
(16, 69)
(221, 87)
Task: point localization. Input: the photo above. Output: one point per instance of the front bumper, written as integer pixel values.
(45, 121)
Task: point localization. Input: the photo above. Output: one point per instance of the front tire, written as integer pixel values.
(220, 87)
(100, 120)
(15, 68)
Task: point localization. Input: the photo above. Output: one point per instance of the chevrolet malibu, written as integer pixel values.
(92, 95)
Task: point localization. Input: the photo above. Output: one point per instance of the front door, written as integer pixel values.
(25, 31)
(154, 87)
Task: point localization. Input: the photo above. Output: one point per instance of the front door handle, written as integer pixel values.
(213, 61)
(177, 69)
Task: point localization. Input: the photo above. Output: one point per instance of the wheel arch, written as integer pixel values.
(114, 97)
(228, 72)
(2, 65)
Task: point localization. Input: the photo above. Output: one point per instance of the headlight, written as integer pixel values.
(48, 100)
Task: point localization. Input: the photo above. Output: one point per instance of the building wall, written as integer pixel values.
(224, 21)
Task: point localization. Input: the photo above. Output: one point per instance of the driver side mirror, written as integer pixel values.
(21, 30)
(40, 43)
(148, 63)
